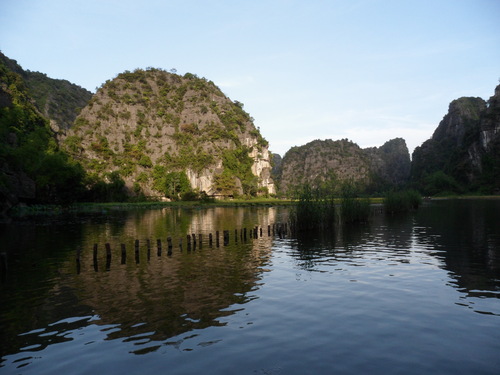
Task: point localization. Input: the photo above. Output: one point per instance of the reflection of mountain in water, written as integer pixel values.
(466, 232)
(462, 235)
(163, 296)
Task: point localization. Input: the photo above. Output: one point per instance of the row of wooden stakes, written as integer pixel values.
(191, 242)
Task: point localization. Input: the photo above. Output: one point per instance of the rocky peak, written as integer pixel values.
(340, 161)
(148, 123)
(463, 114)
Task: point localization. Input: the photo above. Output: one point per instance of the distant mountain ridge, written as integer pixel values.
(154, 133)
(337, 162)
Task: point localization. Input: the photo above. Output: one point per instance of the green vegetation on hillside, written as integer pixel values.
(147, 124)
(28, 147)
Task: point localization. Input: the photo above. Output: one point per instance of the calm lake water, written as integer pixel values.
(412, 294)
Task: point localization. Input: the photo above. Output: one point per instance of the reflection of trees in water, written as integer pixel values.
(467, 233)
(390, 235)
(461, 234)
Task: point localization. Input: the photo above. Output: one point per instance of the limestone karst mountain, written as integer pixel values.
(156, 129)
(464, 151)
(336, 162)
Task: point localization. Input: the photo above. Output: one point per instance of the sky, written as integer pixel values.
(365, 70)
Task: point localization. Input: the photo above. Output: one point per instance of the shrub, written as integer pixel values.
(314, 210)
(402, 201)
(352, 208)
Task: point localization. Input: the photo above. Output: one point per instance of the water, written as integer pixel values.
(411, 294)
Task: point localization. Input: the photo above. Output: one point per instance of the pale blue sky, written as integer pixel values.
(366, 70)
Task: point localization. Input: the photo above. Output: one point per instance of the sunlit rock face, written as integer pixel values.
(148, 123)
(333, 163)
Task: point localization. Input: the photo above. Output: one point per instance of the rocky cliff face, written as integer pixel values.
(390, 164)
(465, 146)
(148, 123)
(344, 161)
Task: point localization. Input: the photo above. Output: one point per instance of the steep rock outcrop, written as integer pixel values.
(336, 162)
(465, 146)
(149, 123)
(390, 164)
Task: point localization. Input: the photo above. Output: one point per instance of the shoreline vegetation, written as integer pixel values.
(308, 204)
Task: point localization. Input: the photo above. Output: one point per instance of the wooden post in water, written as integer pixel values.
(180, 244)
(137, 252)
(188, 238)
(261, 231)
(158, 245)
(124, 253)
(169, 245)
(96, 267)
(3, 263)
(108, 256)
(226, 237)
(217, 238)
(236, 236)
(78, 265)
(268, 231)
(200, 239)
(210, 239)
(245, 234)
(148, 245)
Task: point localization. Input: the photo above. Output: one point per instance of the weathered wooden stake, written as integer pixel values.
(148, 245)
(124, 253)
(268, 230)
(210, 239)
(245, 234)
(169, 246)
(217, 238)
(261, 231)
(108, 256)
(3, 262)
(236, 236)
(226, 237)
(96, 267)
(137, 252)
(158, 245)
(78, 264)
